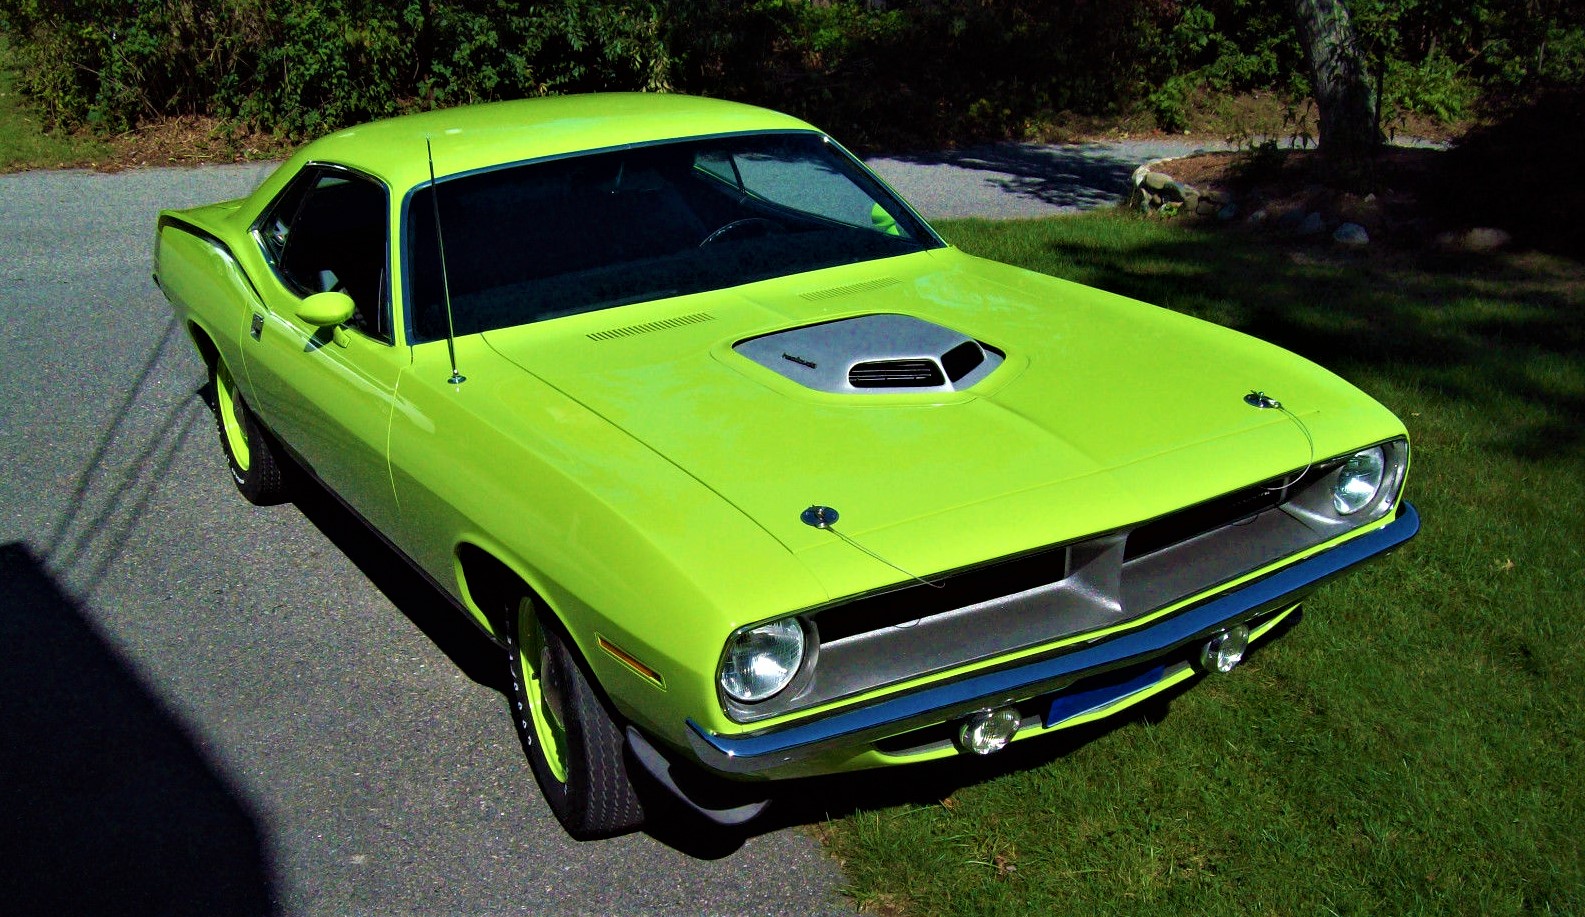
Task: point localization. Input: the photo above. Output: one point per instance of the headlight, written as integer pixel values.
(1359, 480)
(762, 659)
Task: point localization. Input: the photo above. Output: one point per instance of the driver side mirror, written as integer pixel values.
(324, 309)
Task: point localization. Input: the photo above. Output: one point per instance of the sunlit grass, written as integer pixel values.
(23, 142)
(1414, 745)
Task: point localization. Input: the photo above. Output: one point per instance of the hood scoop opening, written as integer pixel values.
(874, 354)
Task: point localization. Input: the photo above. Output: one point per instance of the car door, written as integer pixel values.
(327, 393)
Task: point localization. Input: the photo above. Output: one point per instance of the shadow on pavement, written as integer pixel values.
(1074, 176)
(812, 800)
(109, 804)
(129, 463)
(473, 653)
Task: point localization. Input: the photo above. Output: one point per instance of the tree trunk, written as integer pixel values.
(1337, 74)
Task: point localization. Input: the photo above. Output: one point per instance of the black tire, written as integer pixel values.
(256, 465)
(572, 738)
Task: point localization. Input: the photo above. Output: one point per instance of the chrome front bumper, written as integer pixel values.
(802, 748)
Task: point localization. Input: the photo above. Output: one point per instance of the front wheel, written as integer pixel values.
(569, 734)
(256, 468)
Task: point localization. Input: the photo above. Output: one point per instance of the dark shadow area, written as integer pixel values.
(670, 822)
(1512, 174)
(1517, 173)
(1075, 176)
(818, 799)
(107, 803)
(468, 648)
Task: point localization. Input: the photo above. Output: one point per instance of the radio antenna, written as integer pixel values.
(445, 281)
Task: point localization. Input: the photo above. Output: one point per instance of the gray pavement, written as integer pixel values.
(210, 708)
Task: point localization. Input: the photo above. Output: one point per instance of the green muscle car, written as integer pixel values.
(750, 474)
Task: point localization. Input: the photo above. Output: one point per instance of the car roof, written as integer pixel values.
(473, 137)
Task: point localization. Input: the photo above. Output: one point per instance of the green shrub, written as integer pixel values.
(302, 67)
(1170, 104)
(878, 72)
(1433, 87)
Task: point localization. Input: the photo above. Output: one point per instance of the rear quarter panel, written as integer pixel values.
(206, 288)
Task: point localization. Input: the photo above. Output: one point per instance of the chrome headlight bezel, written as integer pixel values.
(760, 661)
(1317, 506)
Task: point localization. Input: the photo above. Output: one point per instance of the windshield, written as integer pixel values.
(538, 241)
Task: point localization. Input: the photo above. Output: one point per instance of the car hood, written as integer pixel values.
(1105, 412)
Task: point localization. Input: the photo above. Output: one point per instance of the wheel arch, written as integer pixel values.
(203, 342)
(490, 585)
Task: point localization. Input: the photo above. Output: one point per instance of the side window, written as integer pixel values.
(327, 232)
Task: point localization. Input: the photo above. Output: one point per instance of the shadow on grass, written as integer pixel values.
(812, 800)
(110, 805)
(1516, 172)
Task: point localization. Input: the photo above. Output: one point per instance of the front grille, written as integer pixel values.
(902, 607)
(1230, 509)
(896, 374)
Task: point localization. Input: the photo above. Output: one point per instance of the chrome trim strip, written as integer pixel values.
(784, 748)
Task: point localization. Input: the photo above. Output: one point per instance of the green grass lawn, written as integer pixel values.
(1414, 745)
(23, 143)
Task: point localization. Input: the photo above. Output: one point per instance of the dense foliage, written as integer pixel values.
(881, 71)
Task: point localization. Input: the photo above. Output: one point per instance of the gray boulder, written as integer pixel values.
(1352, 235)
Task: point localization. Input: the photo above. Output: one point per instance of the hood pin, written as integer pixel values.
(821, 517)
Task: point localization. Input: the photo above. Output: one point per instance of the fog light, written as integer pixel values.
(1225, 650)
(988, 730)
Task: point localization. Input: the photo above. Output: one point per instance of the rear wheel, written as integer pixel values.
(255, 466)
(570, 735)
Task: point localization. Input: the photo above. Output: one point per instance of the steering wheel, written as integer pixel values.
(765, 226)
